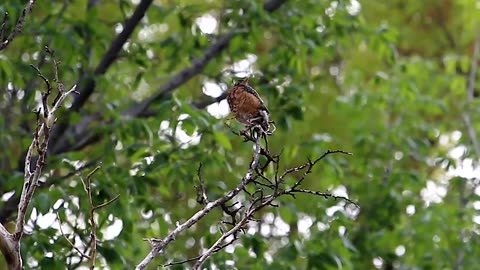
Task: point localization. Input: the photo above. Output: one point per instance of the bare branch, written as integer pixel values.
(106, 203)
(81, 253)
(310, 164)
(2, 26)
(318, 193)
(258, 199)
(202, 197)
(198, 257)
(218, 244)
(158, 245)
(10, 249)
(87, 185)
(40, 142)
(93, 224)
(39, 74)
(10, 243)
(18, 26)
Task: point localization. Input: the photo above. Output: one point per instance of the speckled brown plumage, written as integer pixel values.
(247, 106)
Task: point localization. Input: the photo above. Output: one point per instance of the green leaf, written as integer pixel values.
(222, 139)
(43, 202)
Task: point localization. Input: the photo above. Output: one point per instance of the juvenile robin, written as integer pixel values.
(247, 106)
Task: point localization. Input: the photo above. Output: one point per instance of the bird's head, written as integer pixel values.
(243, 81)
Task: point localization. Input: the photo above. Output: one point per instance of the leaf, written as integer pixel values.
(223, 140)
(43, 202)
(110, 254)
(188, 125)
(287, 213)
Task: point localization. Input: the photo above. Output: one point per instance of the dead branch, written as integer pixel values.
(10, 243)
(158, 245)
(241, 214)
(84, 138)
(18, 26)
(81, 253)
(92, 243)
(260, 199)
(87, 184)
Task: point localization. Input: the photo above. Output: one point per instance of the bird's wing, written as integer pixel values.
(252, 91)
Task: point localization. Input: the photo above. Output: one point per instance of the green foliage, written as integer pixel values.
(385, 80)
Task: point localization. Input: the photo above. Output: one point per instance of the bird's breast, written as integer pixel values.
(244, 105)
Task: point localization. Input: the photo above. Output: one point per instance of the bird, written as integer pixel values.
(248, 107)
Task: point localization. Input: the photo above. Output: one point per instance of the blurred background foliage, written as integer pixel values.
(393, 82)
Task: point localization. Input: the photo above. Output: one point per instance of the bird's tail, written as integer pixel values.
(265, 123)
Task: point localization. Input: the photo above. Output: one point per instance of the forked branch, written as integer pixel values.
(34, 164)
(267, 190)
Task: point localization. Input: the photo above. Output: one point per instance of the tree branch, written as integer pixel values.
(141, 109)
(258, 199)
(40, 143)
(10, 243)
(107, 60)
(198, 64)
(18, 26)
(79, 132)
(158, 245)
(81, 253)
(10, 249)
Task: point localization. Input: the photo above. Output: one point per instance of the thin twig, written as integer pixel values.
(323, 194)
(199, 256)
(2, 26)
(202, 197)
(83, 255)
(93, 231)
(233, 231)
(311, 164)
(258, 199)
(87, 184)
(216, 246)
(39, 73)
(18, 26)
(106, 203)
